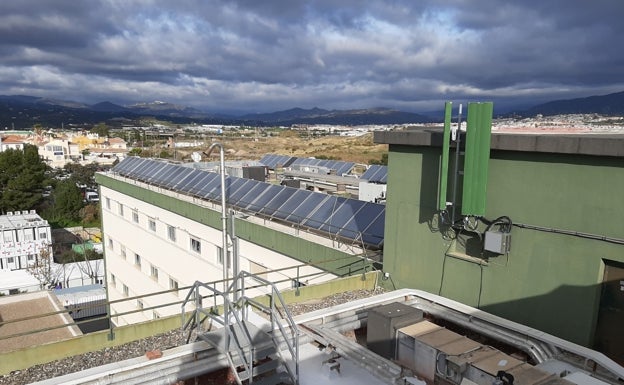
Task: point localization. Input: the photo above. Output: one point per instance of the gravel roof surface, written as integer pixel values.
(161, 341)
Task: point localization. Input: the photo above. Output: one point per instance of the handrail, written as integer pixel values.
(184, 301)
(293, 342)
(247, 362)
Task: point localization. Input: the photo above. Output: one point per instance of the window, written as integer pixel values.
(110, 242)
(173, 285)
(140, 304)
(151, 224)
(171, 233)
(113, 280)
(123, 251)
(196, 245)
(108, 203)
(121, 209)
(220, 256)
(135, 216)
(154, 272)
(10, 260)
(137, 260)
(29, 235)
(43, 235)
(31, 257)
(8, 236)
(126, 291)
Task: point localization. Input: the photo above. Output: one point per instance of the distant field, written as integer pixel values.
(355, 149)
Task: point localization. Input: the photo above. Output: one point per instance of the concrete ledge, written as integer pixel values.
(582, 144)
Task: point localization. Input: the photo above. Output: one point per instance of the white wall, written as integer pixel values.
(173, 259)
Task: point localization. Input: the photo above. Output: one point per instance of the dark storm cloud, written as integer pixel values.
(267, 55)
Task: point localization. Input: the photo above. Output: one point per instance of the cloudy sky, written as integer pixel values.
(268, 55)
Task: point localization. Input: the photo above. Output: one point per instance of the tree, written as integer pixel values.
(42, 269)
(135, 152)
(101, 129)
(89, 214)
(67, 202)
(22, 173)
(83, 175)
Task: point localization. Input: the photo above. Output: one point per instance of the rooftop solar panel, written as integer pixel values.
(236, 196)
(347, 218)
(209, 187)
(200, 183)
(359, 226)
(187, 182)
(160, 174)
(306, 208)
(376, 174)
(179, 177)
(233, 184)
(291, 204)
(278, 200)
(262, 200)
(324, 213)
(252, 194)
(273, 160)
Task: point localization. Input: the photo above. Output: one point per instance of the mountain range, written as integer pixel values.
(21, 111)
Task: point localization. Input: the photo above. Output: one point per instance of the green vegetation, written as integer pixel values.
(383, 161)
(26, 183)
(21, 179)
(101, 129)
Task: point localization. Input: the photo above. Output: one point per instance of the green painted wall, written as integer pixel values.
(548, 281)
(327, 258)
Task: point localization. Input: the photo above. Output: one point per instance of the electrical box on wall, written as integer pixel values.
(497, 242)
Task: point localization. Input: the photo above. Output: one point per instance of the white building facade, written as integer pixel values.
(159, 240)
(24, 236)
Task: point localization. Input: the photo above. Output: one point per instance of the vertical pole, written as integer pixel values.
(456, 168)
(448, 106)
(224, 243)
(235, 256)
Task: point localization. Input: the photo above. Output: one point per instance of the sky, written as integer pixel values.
(268, 55)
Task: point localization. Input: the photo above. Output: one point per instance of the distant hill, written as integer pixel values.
(343, 117)
(611, 104)
(108, 107)
(23, 111)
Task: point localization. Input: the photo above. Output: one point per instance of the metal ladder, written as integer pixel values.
(255, 356)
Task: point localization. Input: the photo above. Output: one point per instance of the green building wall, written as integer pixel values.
(549, 281)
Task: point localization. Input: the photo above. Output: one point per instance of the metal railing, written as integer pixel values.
(343, 270)
(277, 307)
(276, 310)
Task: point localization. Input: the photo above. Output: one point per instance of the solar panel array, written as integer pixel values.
(273, 160)
(341, 167)
(376, 174)
(362, 222)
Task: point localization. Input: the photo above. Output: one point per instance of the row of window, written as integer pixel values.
(195, 244)
(138, 263)
(174, 285)
(24, 234)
